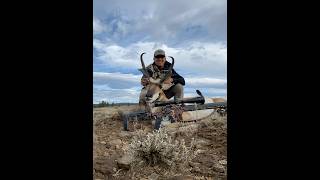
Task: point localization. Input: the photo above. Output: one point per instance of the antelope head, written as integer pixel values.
(156, 86)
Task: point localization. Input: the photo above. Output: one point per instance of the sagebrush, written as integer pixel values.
(158, 148)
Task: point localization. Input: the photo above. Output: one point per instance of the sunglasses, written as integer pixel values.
(160, 56)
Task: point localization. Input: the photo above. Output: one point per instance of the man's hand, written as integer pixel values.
(168, 81)
(167, 84)
(144, 81)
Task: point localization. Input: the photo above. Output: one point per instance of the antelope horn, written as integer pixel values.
(143, 70)
(169, 73)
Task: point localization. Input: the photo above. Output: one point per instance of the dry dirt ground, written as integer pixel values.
(110, 142)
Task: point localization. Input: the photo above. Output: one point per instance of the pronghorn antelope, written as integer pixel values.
(154, 89)
(154, 92)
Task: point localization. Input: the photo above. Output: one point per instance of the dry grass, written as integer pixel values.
(158, 148)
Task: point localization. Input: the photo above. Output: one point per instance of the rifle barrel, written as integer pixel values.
(199, 100)
(205, 106)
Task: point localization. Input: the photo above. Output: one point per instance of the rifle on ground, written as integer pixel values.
(185, 104)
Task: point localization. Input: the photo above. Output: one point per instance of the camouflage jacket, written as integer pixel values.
(154, 72)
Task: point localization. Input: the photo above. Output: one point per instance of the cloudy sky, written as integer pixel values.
(193, 32)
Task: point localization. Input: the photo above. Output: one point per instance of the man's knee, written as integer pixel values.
(178, 91)
(179, 87)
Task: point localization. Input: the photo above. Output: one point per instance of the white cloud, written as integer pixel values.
(118, 87)
(195, 58)
(194, 33)
(116, 95)
(161, 20)
(118, 56)
(116, 80)
(123, 81)
(200, 82)
(98, 26)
